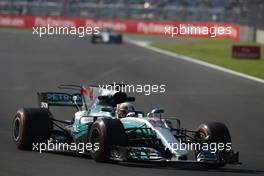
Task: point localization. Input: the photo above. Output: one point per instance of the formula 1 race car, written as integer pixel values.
(107, 35)
(137, 138)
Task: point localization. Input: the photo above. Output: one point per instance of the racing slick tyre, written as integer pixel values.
(119, 39)
(215, 132)
(93, 39)
(31, 125)
(106, 132)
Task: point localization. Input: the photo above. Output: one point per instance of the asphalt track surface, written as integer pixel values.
(194, 93)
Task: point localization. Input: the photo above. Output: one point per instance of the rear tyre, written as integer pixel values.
(215, 132)
(31, 125)
(105, 133)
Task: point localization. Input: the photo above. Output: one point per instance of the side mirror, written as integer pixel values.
(74, 99)
(157, 111)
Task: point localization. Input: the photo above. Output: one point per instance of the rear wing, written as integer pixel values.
(86, 96)
(47, 99)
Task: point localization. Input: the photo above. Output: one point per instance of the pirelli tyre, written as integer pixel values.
(106, 132)
(215, 132)
(31, 125)
(93, 39)
(119, 39)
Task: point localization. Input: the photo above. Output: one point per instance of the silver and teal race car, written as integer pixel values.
(137, 138)
(107, 35)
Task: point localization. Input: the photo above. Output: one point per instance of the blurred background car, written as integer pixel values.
(107, 35)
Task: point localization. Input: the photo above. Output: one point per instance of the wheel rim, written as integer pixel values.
(16, 131)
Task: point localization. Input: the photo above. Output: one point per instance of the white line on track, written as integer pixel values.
(190, 59)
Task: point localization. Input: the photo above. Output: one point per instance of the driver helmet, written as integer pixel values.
(123, 109)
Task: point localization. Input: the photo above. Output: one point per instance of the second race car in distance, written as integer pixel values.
(107, 35)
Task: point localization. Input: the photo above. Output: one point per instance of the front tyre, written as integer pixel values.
(105, 133)
(215, 132)
(31, 125)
